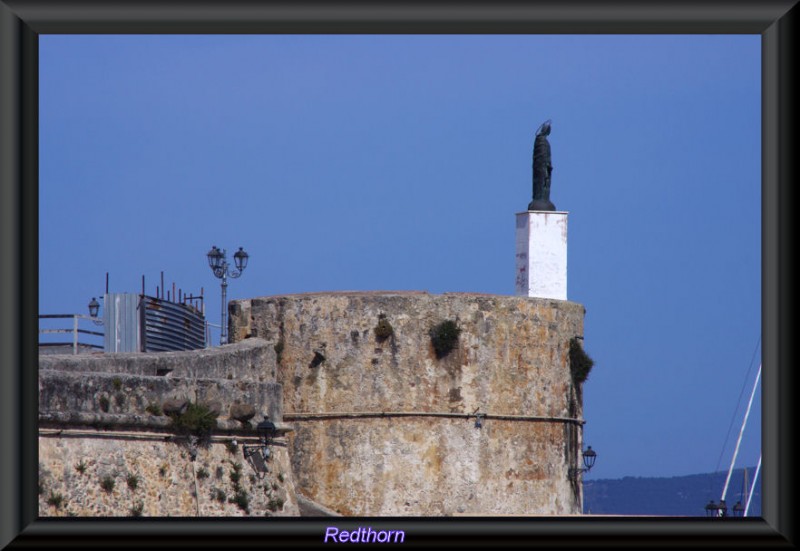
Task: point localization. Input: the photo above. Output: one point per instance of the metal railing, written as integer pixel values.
(75, 330)
(209, 325)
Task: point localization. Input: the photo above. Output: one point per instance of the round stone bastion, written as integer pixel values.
(387, 424)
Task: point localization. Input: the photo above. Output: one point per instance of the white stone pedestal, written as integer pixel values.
(542, 254)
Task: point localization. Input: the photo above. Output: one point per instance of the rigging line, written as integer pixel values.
(741, 432)
(753, 487)
(738, 403)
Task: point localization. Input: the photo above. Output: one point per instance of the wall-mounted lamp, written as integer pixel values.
(479, 420)
(589, 457)
(258, 454)
(94, 307)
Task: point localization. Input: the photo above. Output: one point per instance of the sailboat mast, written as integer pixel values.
(741, 432)
(744, 487)
(753, 487)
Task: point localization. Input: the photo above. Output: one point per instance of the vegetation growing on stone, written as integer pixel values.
(240, 497)
(236, 474)
(104, 403)
(154, 409)
(274, 504)
(132, 480)
(107, 483)
(162, 470)
(117, 383)
(197, 421)
(279, 350)
(218, 495)
(136, 510)
(242, 500)
(580, 364)
(202, 473)
(384, 329)
(55, 499)
(444, 337)
(81, 467)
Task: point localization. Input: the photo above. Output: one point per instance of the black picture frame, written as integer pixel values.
(22, 21)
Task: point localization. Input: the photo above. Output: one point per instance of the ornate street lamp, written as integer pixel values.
(258, 455)
(94, 307)
(221, 269)
(589, 457)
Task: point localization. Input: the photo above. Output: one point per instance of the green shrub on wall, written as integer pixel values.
(197, 420)
(384, 329)
(580, 364)
(444, 337)
(56, 500)
(132, 480)
(107, 483)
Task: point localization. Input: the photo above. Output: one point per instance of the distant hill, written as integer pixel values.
(676, 496)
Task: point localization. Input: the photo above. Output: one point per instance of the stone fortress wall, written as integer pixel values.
(101, 418)
(385, 427)
(368, 425)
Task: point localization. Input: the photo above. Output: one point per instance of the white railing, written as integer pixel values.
(75, 330)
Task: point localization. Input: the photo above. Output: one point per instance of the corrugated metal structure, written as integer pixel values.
(172, 326)
(141, 323)
(121, 318)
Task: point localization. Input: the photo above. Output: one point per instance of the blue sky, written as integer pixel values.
(398, 163)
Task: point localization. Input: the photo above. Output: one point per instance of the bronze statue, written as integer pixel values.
(542, 169)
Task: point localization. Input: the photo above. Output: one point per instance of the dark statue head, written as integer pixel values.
(544, 129)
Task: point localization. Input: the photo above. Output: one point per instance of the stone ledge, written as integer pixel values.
(241, 360)
(118, 393)
(99, 421)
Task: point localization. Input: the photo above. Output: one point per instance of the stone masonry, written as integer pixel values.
(371, 420)
(385, 427)
(107, 449)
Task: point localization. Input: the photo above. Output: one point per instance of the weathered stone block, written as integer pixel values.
(242, 412)
(175, 406)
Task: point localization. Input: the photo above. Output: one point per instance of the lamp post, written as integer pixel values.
(221, 269)
(589, 457)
